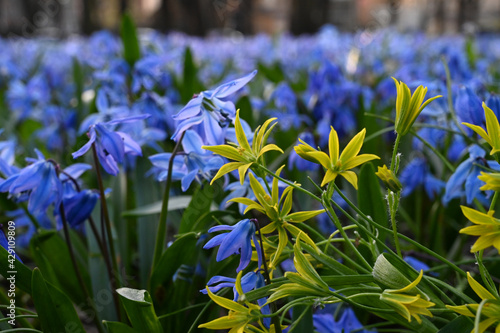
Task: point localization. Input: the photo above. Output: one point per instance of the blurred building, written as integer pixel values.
(59, 18)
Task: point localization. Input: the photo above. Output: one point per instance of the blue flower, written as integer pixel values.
(237, 241)
(111, 145)
(210, 113)
(192, 164)
(466, 176)
(325, 323)
(40, 180)
(417, 173)
(468, 107)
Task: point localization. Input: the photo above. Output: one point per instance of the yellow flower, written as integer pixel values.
(278, 210)
(492, 181)
(486, 227)
(334, 164)
(493, 128)
(491, 308)
(406, 302)
(408, 107)
(389, 178)
(239, 316)
(244, 154)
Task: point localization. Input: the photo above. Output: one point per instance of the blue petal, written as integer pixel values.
(192, 143)
(227, 89)
(87, 146)
(192, 108)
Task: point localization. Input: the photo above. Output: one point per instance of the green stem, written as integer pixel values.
(107, 221)
(450, 98)
(418, 245)
(435, 151)
(339, 227)
(161, 234)
(272, 306)
(294, 185)
(78, 274)
(394, 153)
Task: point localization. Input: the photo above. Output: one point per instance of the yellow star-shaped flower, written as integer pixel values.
(334, 164)
(486, 227)
(244, 154)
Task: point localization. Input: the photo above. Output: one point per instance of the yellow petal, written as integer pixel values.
(351, 177)
(242, 170)
(329, 177)
(484, 242)
(477, 217)
(321, 158)
(360, 159)
(333, 145)
(226, 168)
(269, 147)
(353, 147)
(492, 127)
(240, 133)
(226, 151)
(226, 303)
(479, 289)
(479, 130)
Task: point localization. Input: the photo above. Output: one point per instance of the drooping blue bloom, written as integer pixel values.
(111, 146)
(236, 241)
(348, 322)
(193, 163)
(468, 107)
(210, 113)
(295, 160)
(417, 173)
(464, 180)
(40, 180)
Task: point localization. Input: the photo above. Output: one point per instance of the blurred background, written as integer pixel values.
(62, 18)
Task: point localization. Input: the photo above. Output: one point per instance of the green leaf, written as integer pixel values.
(461, 324)
(55, 311)
(328, 261)
(304, 314)
(190, 83)
(182, 251)
(23, 273)
(51, 255)
(78, 78)
(117, 327)
(370, 198)
(175, 203)
(131, 48)
(273, 73)
(139, 307)
(200, 204)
